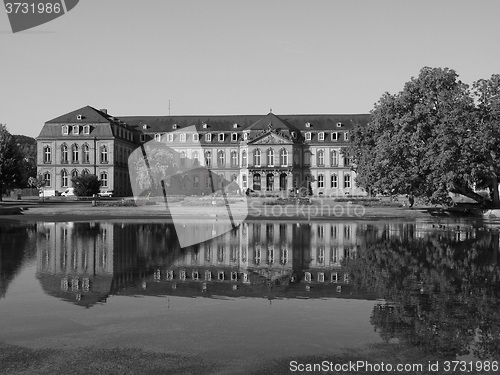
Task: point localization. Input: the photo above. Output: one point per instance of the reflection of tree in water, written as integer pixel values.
(13, 250)
(442, 294)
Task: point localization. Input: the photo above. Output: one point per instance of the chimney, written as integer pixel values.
(104, 110)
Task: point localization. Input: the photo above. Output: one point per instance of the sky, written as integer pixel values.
(217, 57)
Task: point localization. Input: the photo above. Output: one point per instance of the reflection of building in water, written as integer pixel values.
(84, 263)
(77, 261)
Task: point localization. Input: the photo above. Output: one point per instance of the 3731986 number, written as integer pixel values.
(470, 366)
(33, 8)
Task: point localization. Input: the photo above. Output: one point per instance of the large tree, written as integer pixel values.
(10, 161)
(86, 185)
(419, 141)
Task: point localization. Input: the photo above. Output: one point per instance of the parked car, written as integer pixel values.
(105, 193)
(70, 192)
(43, 192)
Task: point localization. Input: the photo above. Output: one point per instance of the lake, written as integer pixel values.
(265, 290)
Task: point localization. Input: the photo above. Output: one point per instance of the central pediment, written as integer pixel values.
(270, 138)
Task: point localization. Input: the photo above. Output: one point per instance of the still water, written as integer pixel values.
(262, 290)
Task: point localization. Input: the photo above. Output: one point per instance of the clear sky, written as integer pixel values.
(236, 57)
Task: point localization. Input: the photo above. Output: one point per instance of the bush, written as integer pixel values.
(86, 185)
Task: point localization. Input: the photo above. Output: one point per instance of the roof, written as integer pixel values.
(89, 115)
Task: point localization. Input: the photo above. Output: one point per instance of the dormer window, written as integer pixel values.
(144, 126)
(235, 126)
(143, 137)
(204, 126)
(76, 129)
(174, 126)
(183, 137)
(321, 136)
(308, 124)
(86, 129)
(308, 136)
(346, 136)
(339, 124)
(335, 136)
(234, 137)
(196, 137)
(158, 137)
(79, 117)
(208, 137)
(294, 135)
(65, 129)
(170, 137)
(245, 136)
(221, 137)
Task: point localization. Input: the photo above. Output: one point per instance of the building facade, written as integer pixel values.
(263, 153)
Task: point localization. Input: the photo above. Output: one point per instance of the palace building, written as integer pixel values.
(261, 153)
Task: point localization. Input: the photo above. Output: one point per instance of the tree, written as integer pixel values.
(27, 149)
(10, 161)
(86, 185)
(419, 141)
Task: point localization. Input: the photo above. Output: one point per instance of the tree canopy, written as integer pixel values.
(86, 185)
(433, 138)
(10, 161)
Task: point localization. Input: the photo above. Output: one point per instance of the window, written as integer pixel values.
(85, 171)
(74, 152)
(174, 126)
(234, 137)
(339, 124)
(270, 157)
(284, 158)
(221, 137)
(221, 159)
(158, 137)
(294, 135)
(86, 129)
(170, 137)
(321, 158)
(104, 179)
(208, 159)
(196, 182)
(245, 136)
(76, 129)
(74, 173)
(346, 136)
(234, 159)
(308, 124)
(335, 158)
(308, 136)
(347, 181)
(321, 181)
(208, 182)
(256, 158)
(334, 181)
(183, 137)
(48, 179)
(196, 158)
(244, 179)
(208, 137)
(335, 136)
(64, 178)
(47, 154)
(86, 153)
(65, 129)
(196, 137)
(307, 158)
(104, 154)
(143, 138)
(244, 159)
(64, 154)
(183, 158)
(204, 126)
(347, 161)
(321, 136)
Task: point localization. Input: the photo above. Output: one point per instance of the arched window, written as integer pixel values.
(183, 158)
(256, 158)
(234, 159)
(335, 158)
(47, 154)
(64, 154)
(221, 159)
(48, 179)
(74, 173)
(270, 157)
(334, 181)
(321, 181)
(86, 153)
(244, 159)
(284, 158)
(104, 154)
(321, 158)
(196, 158)
(64, 178)
(104, 179)
(208, 159)
(74, 152)
(347, 181)
(85, 171)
